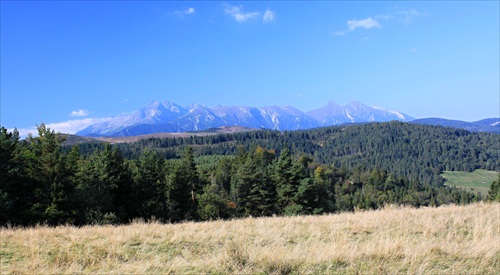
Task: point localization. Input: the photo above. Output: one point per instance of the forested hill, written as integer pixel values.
(259, 173)
(415, 152)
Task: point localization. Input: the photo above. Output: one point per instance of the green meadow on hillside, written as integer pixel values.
(478, 181)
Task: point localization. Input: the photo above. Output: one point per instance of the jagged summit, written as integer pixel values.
(170, 117)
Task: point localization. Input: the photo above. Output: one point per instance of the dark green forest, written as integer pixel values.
(46, 180)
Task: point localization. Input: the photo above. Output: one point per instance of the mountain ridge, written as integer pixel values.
(484, 125)
(170, 117)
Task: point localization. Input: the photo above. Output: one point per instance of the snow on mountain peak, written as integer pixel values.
(398, 114)
(170, 117)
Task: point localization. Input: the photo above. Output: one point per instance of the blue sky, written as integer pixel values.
(70, 63)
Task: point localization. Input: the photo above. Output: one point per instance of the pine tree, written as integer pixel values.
(256, 193)
(183, 187)
(52, 179)
(494, 192)
(224, 173)
(287, 176)
(10, 179)
(149, 188)
(213, 203)
(105, 187)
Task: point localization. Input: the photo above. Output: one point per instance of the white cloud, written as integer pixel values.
(73, 126)
(187, 11)
(269, 16)
(67, 127)
(352, 25)
(23, 133)
(80, 112)
(407, 17)
(383, 16)
(367, 23)
(238, 14)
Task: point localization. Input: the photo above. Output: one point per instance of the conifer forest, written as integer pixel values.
(57, 179)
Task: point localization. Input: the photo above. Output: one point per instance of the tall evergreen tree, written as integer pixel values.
(106, 187)
(46, 166)
(224, 173)
(213, 203)
(183, 187)
(10, 179)
(256, 193)
(149, 188)
(494, 192)
(287, 175)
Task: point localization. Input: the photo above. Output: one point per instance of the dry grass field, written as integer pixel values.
(444, 240)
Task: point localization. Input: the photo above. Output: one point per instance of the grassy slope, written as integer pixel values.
(477, 181)
(445, 240)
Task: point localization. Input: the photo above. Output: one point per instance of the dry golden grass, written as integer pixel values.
(445, 240)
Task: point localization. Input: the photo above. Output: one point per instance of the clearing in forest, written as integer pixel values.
(478, 181)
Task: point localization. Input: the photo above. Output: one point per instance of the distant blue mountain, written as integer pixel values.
(491, 125)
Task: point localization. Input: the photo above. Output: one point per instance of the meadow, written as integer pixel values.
(478, 181)
(444, 240)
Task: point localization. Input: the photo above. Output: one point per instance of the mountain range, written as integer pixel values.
(485, 125)
(170, 117)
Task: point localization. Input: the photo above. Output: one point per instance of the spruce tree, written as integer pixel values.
(105, 187)
(256, 193)
(182, 188)
(287, 175)
(494, 192)
(149, 188)
(10, 180)
(52, 179)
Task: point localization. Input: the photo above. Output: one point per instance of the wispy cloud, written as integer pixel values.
(269, 16)
(80, 112)
(368, 23)
(383, 16)
(239, 14)
(187, 11)
(407, 17)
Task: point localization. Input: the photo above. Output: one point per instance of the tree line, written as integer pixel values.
(416, 152)
(42, 181)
